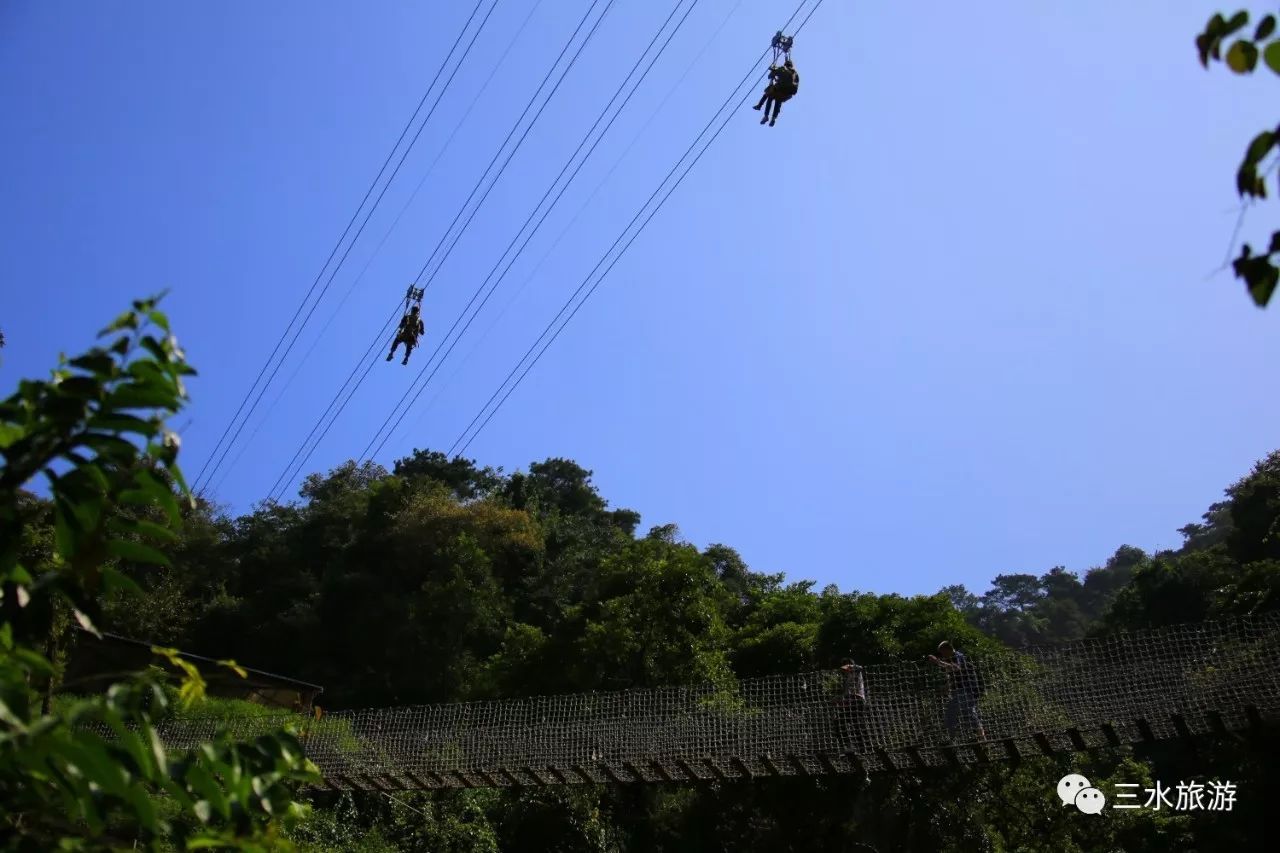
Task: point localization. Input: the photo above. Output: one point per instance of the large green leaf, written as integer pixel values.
(1242, 57)
(9, 433)
(1258, 148)
(1263, 286)
(1271, 56)
(115, 580)
(136, 551)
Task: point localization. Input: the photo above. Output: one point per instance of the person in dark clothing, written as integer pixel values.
(410, 328)
(964, 687)
(850, 711)
(784, 83)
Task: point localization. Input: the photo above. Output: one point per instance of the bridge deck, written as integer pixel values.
(1184, 681)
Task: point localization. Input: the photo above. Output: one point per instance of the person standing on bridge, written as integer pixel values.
(964, 685)
(851, 708)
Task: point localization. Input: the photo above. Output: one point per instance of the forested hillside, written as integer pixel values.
(441, 580)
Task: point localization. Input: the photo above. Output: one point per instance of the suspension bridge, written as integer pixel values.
(1180, 682)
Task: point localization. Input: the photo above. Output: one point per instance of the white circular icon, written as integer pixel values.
(1069, 786)
(1090, 801)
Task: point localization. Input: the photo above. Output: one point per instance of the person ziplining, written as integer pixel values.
(411, 327)
(784, 80)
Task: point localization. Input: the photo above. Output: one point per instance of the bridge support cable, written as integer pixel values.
(419, 382)
(320, 427)
(224, 444)
(548, 335)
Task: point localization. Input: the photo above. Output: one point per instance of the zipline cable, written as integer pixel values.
(528, 279)
(592, 290)
(639, 81)
(222, 456)
(286, 478)
(434, 252)
(381, 243)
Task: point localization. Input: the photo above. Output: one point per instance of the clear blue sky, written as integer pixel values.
(950, 318)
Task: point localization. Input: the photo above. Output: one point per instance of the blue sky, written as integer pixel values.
(950, 318)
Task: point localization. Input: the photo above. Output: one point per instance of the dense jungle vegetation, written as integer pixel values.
(443, 580)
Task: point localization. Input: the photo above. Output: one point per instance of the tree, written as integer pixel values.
(95, 432)
(1258, 271)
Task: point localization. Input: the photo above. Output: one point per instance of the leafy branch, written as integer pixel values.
(1259, 272)
(93, 776)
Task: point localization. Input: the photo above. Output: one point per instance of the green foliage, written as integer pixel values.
(93, 774)
(1259, 272)
(445, 581)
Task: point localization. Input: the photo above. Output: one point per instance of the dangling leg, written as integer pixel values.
(763, 97)
(394, 345)
(777, 108)
(768, 102)
(408, 350)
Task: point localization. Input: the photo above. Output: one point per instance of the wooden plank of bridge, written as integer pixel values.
(1180, 724)
(534, 775)
(1011, 750)
(350, 783)
(631, 768)
(1144, 729)
(688, 770)
(796, 762)
(587, 777)
(953, 757)
(611, 773)
(853, 759)
(462, 777)
(1216, 723)
(714, 768)
(661, 770)
(887, 759)
(440, 781)
(827, 764)
(557, 775)
(1042, 741)
(510, 777)
(767, 761)
(741, 767)
(1255, 716)
(418, 781)
(980, 750)
(1109, 732)
(916, 758)
(1077, 739)
(394, 781)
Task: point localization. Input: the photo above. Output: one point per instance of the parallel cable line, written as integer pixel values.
(564, 232)
(436, 251)
(656, 56)
(565, 307)
(302, 455)
(381, 243)
(220, 456)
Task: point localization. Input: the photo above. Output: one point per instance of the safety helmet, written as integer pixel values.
(414, 309)
(788, 63)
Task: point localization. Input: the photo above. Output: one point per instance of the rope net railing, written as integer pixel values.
(1149, 685)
